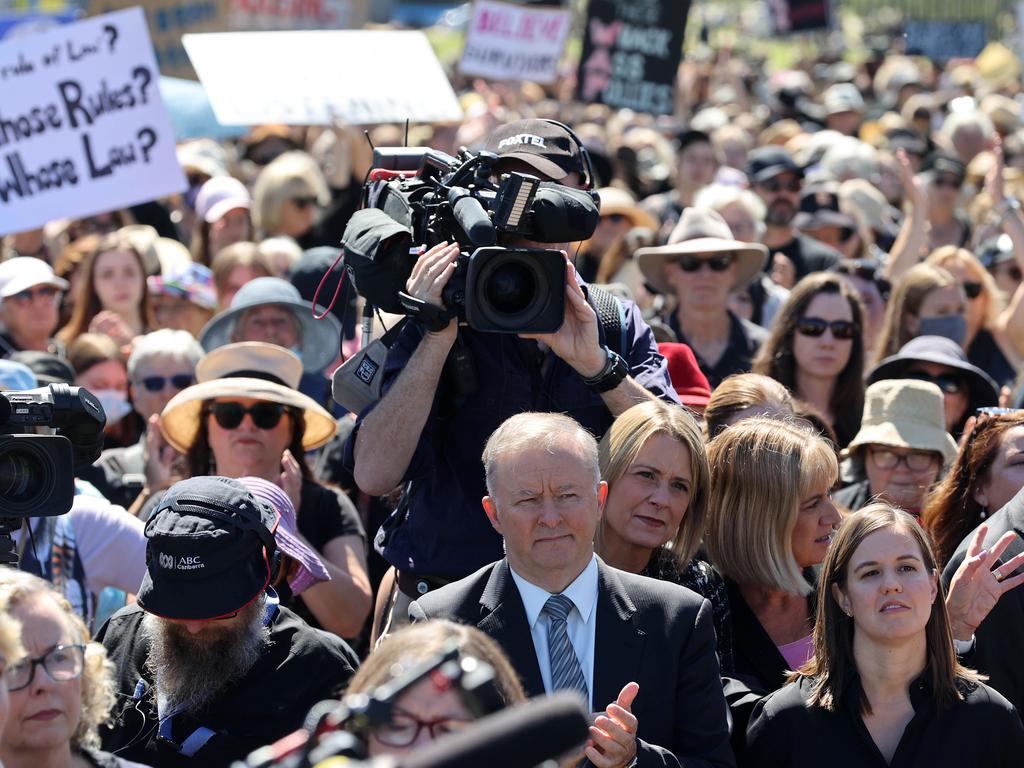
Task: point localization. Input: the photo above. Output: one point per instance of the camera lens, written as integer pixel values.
(511, 287)
(20, 475)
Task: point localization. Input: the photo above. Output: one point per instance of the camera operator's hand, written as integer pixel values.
(430, 274)
(576, 341)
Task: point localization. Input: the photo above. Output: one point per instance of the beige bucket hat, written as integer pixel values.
(905, 413)
(252, 369)
(701, 232)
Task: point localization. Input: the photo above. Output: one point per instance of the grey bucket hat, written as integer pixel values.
(320, 338)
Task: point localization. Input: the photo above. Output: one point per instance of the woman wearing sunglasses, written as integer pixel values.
(61, 690)
(816, 349)
(287, 199)
(926, 300)
(700, 267)
(244, 418)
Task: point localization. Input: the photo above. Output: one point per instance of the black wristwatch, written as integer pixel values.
(611, 375)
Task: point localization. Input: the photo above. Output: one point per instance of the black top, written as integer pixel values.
(808, 255)
(325, 514)
(981, 730)
(986, 354)
(745, 339)
(300, 666)
(119, 473)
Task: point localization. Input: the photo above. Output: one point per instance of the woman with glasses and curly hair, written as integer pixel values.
(62, 690)
(816, 349)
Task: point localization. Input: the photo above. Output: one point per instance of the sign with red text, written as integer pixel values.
(83, 128)
(296, 14)
(515, 42)
(798, 15)
(312, 78)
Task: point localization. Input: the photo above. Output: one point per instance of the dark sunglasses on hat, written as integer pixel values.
(776, 185)
(159, 383)
(229, 415)
(816, 326)
(973, 290)
(715, 263)
(949, 383)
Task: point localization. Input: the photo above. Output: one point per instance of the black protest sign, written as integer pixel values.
(631, 52)
(798, 15)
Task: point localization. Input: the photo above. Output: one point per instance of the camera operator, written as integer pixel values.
(427, 434)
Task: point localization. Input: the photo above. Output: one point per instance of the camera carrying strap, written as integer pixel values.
(611, 316)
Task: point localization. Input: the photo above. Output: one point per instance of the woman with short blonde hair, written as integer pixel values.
(288, 196)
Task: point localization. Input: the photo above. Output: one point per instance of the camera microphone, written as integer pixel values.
(471, 217)
(562, 214)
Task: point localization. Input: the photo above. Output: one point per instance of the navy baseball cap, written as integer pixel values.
(766, 162)
(210, 550)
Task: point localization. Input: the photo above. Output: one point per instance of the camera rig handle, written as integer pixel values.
(433, 317)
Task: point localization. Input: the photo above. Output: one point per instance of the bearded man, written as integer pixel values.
(208, 665)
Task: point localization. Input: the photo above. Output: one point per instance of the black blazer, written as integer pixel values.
(652, 632)
(1000, 637)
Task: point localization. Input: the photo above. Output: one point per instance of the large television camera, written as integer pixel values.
(422, 197)
(37, 470)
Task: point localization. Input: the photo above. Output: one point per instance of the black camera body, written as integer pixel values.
(422, 197)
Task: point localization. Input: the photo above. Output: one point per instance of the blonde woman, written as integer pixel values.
(62, 690)
(742, 396)
(11, 653)
(288, 197)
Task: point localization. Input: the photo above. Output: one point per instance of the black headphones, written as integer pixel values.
(590, 179)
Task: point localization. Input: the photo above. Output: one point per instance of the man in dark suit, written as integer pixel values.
(641, 650)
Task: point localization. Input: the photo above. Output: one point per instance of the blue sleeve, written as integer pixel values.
(646, 365)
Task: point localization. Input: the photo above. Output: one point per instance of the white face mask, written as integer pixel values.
(114, 403)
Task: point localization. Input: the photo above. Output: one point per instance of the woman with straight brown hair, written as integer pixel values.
(884, 686)
(742, 396)
(926, 301)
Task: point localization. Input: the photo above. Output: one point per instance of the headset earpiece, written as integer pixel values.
(590, 180)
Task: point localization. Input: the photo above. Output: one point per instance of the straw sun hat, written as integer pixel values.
(615, 201)
(252, 369)
(905, 413)
(702, 233)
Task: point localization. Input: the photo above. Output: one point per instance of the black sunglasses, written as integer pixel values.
(1014, 273)
(949, 383)
(775, 185)
(158, 383)
(815, 327)
(715, 263)
(304, 202)
(614, 218)
(229, 414)
(947, 181)
(973, 290)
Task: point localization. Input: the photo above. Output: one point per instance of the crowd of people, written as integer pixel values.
(770, 516)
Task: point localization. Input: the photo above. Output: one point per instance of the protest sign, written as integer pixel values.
(296, 14)
(631, 51)
(515, 42)
(798, 15)
(945, 40)
(312, 77)
(82, 126)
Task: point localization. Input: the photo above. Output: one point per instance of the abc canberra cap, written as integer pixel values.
(210, 549)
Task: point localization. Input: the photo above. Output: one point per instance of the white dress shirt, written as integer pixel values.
(581, 623)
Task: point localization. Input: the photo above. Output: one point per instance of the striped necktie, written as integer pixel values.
(566, 673)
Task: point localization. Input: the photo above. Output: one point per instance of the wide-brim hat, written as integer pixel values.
(179, 420)
(321, 339)
(619, 201)
(905, 413)
(984, 391)
(701, 232)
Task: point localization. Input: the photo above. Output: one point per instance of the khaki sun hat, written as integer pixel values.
(252, 369)
(615, 201)
(905, 413)
(702, 233)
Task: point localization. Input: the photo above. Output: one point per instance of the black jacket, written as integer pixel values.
(300, 667)
(982, 730)
(1000, 637)
(652, 632)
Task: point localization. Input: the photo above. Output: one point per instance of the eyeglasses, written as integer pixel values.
(404, 729)
(615, 218)
(815, 327)
(304, 202)
(916, 461)
(62, 663)
(777, 185)
(229, 415)
(949, 383)
(714, 263)
(973, 290)
(159, 383)
(46, 292)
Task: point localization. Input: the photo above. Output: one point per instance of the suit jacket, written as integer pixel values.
(1000, 637)
(652, 632)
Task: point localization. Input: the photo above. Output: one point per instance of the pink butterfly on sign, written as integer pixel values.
(594, 84)
(604, 34)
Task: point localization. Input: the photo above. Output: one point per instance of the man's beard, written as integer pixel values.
(191, 670)
(780, 213)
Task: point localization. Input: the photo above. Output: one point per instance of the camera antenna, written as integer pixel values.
(407, 131)
(369, 140)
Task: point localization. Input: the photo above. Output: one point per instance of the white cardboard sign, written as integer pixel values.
(308, 78)
(515, 42)
(82, 126)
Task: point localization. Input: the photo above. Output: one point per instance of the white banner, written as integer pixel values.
(82, 126)
(307, 78)
(515, 42)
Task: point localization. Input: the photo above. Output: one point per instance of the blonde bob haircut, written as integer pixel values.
(98, 698)
(625, 439)
(293, 174)
(761, 469)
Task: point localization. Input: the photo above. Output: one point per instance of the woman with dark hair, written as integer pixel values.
(101, 368)
(245, 417)
(816, 350)
(884, 686)
(987, 472)
(926, 301)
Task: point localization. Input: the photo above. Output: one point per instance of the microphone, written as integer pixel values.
(561, 214)
(471, 217)
(524, 735)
